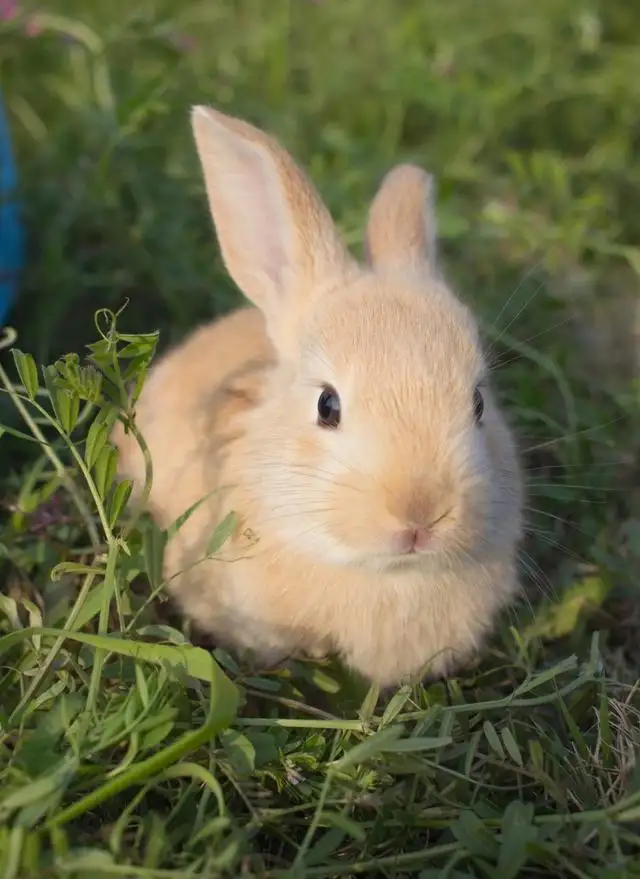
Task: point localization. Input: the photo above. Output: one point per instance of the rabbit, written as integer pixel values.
(345, 415)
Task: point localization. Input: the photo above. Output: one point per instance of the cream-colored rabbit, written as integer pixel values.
(347, 421)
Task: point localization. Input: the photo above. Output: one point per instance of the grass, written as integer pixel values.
(124, 749)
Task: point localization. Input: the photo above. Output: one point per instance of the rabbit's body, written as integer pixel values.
(389, 537)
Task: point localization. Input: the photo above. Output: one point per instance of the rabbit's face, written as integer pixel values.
(378, 441)
(382, 445)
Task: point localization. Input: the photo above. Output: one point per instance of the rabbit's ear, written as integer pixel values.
(276, 237)
(401, 229)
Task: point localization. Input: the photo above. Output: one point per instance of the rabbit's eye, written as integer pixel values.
(478, 405)
(329, 408)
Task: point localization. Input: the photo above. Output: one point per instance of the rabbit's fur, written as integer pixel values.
(231, 414)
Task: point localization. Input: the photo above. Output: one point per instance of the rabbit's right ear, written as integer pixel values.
(276, 236)
(401, 230)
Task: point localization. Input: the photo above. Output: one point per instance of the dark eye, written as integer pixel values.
(478, 405)
(329, 408)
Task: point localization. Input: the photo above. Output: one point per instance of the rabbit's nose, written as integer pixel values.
(412, 540)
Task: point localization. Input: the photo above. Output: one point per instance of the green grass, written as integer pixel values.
(123, 756)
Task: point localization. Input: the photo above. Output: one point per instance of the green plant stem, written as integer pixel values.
(55, 649)
(100, 655)
(406, 859)
(148, 478)
(314, 823)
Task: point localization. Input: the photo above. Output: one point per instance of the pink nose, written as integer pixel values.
(414, 540)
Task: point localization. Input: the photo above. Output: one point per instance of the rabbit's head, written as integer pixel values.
(378, 441)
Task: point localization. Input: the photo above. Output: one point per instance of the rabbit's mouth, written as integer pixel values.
(430, 556)
(408, 562)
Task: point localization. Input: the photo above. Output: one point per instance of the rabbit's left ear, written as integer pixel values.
(402, 229)
(276, 236)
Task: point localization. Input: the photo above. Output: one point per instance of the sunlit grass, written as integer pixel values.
(124, 749)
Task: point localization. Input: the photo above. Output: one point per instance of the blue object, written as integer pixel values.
(11, 238)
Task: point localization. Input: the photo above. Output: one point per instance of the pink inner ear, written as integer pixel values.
(258, 217)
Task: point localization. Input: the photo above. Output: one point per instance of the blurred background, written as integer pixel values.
(527, 113)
